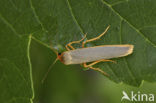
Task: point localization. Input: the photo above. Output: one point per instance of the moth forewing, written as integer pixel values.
(91, 54)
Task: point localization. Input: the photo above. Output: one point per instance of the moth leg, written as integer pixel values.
(98, 37)
(103, 60)
(67, 48)
(98, 69)
(74, 42)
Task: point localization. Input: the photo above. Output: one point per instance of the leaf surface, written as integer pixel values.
(58, 22)
(132, 22)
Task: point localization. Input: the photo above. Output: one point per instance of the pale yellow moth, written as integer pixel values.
(94, 54)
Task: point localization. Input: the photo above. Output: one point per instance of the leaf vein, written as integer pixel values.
(74, 18)
(37, 17)
(30, 68)
(118, 2)
(131, 74)
(122, 18)
(9, 25)
(112, 71)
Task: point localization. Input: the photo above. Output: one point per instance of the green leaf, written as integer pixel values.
(15, 80)
(58, 22)
(132, 22)
(16, 83)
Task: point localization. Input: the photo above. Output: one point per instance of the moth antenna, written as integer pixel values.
(50, 67)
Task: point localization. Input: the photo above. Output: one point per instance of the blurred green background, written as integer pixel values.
(71, 84)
